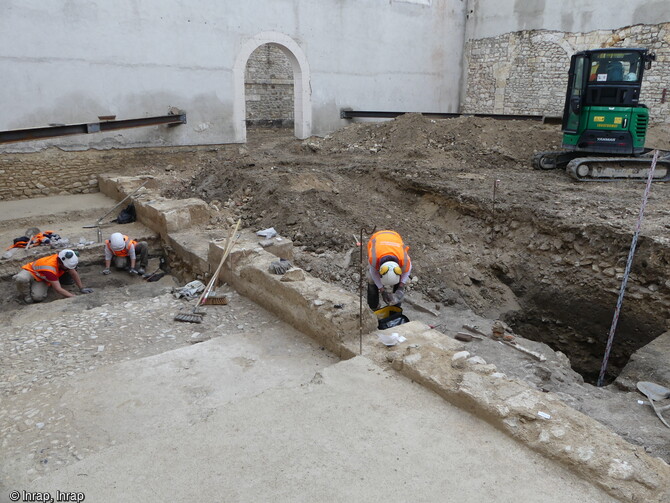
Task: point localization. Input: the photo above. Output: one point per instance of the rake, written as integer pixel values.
(195, 316)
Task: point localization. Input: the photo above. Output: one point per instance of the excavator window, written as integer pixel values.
(607, 68)
(574, 97)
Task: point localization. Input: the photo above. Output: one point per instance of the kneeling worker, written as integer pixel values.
(35, 278)
(125, 252)
(390, 267)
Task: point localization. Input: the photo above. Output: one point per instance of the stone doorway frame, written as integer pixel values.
(302, 96)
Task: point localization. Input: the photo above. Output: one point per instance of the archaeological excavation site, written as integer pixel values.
(292, 251)
(111, 376)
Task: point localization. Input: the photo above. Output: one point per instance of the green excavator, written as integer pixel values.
(604, 124)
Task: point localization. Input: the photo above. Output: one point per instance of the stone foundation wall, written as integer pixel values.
(269, 87)
(35, 175)
(53, 172)
(526, 72)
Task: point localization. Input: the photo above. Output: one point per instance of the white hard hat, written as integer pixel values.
(390, 273)
(117, 242)
(68, 258)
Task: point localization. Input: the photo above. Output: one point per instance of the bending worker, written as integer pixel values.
(390, 267)
(35, 278)
(125, 252)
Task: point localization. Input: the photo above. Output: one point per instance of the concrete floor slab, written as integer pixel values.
(354, 433)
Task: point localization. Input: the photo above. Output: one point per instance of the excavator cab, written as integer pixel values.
(604, 123)
(602, 112)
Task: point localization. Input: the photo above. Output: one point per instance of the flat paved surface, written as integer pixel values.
(353, 432)
(23, 208)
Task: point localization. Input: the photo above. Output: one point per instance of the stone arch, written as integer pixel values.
(302, 100)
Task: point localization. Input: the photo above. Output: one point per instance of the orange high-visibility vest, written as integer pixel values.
(388, 243)
(124, 252)
(49, 263)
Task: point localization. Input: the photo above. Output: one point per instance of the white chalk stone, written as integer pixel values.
(476, 360)
(461, 355)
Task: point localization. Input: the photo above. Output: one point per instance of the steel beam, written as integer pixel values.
(40, 133)
(366, 114)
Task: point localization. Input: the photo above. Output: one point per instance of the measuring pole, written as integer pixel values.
(626, 273)
(360, 295)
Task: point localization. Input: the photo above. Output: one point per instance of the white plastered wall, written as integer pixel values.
(70, 62)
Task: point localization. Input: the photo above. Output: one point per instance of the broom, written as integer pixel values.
(195, 316)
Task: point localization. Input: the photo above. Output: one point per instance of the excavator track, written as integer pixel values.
(552, 159)
(612, 169)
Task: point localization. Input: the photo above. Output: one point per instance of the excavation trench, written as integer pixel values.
(117, 284)
(458, 249)
(577, 323)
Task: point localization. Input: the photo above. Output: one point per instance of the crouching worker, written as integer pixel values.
(125, 252)
(35, 278)
(390, 267)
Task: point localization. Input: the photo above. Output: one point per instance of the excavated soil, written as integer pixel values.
(487, 233)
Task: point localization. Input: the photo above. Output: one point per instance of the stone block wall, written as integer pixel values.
(40, 174)
(53, 172)
(526, 72)
(269, 88)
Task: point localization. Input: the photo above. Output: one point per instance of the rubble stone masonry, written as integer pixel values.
(269, 87)
(53, 172)
(526, 72)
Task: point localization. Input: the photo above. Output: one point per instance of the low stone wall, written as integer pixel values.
(526, 72)
(158, 213)
(328, 315)
(53, 172)
(539, 420)
(24, 176)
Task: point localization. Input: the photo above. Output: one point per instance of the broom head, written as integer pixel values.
(215, 301)
(189, 317)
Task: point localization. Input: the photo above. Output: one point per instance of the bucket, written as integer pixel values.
(390, 316)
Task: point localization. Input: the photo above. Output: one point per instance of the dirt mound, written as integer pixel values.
(431, 180)
(464, 139)
(394, 174)
(658, 136)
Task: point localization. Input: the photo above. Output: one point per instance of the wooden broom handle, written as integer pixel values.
(230, 242)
